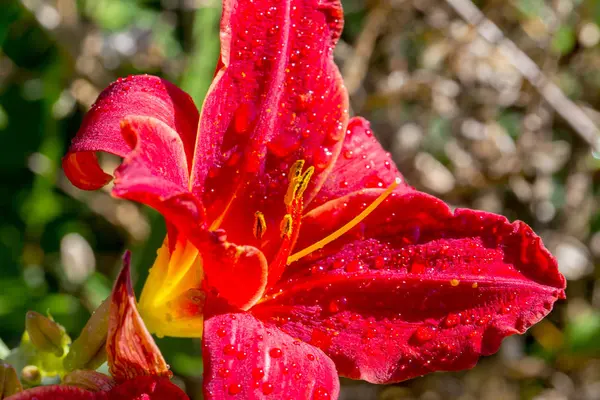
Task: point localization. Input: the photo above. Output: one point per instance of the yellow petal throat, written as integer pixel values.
(172, 299)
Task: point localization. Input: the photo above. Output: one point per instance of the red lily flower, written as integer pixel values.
(137, 368)
(294, 246)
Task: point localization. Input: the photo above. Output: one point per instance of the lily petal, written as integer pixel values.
(57, 392)
(154, 172)
(140, 95)
(277, 98)
(147, 388)
(362, 163)
(415, 288)
(130, 347)
(237, 273)
(253, 360)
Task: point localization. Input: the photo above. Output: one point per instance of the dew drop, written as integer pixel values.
(221, 332)
(353, 266)
(321, 394)
(451, 320)
(322, 157)
(424, 334)
(454, 282)
(275, 352)
(258, 373)
(348, 154)
(229, 349)
(234, 389)
(267, 388)
(310, 356)
(474, 285)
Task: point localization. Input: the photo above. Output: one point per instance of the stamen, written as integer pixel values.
(355, 221)
(304, 181)
(296, 179)
(290, 195)
(286, 225)
(260, 225)
(296, 169)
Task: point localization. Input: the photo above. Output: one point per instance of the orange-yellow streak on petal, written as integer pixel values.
(355, 221)
(172, 300)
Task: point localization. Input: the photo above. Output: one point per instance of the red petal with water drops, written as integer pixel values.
(147, 388)
(247, 359)
(56, 392)
(141, 95)
(414, 288)
(237, 273)
(155, 171)
(362, 163)
(130, 348)
(278, 98)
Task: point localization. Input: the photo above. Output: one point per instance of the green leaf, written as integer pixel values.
(563, 41)
(583, 332)
(198, 75)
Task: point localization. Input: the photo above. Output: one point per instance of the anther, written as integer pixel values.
(304, 181)
(260, 225)
(296, 170)
(286, 226)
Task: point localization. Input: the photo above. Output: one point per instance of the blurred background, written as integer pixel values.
(463, 109)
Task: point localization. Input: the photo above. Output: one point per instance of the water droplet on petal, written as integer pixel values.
(275, 352)
(322, 157)
(424, 334)
(234, 389)
(451, 320)
(353, 266)
(321, 394)
(229, 349)
(267, 388)
(258, 373)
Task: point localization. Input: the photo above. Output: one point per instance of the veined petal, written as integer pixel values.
(57, 392)
(155, 173)
(253, 360)
(131, 350)
(143, 387)
(142, 96)
(277, 98)
(362, 163)
(414, 288)
(147, 388)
